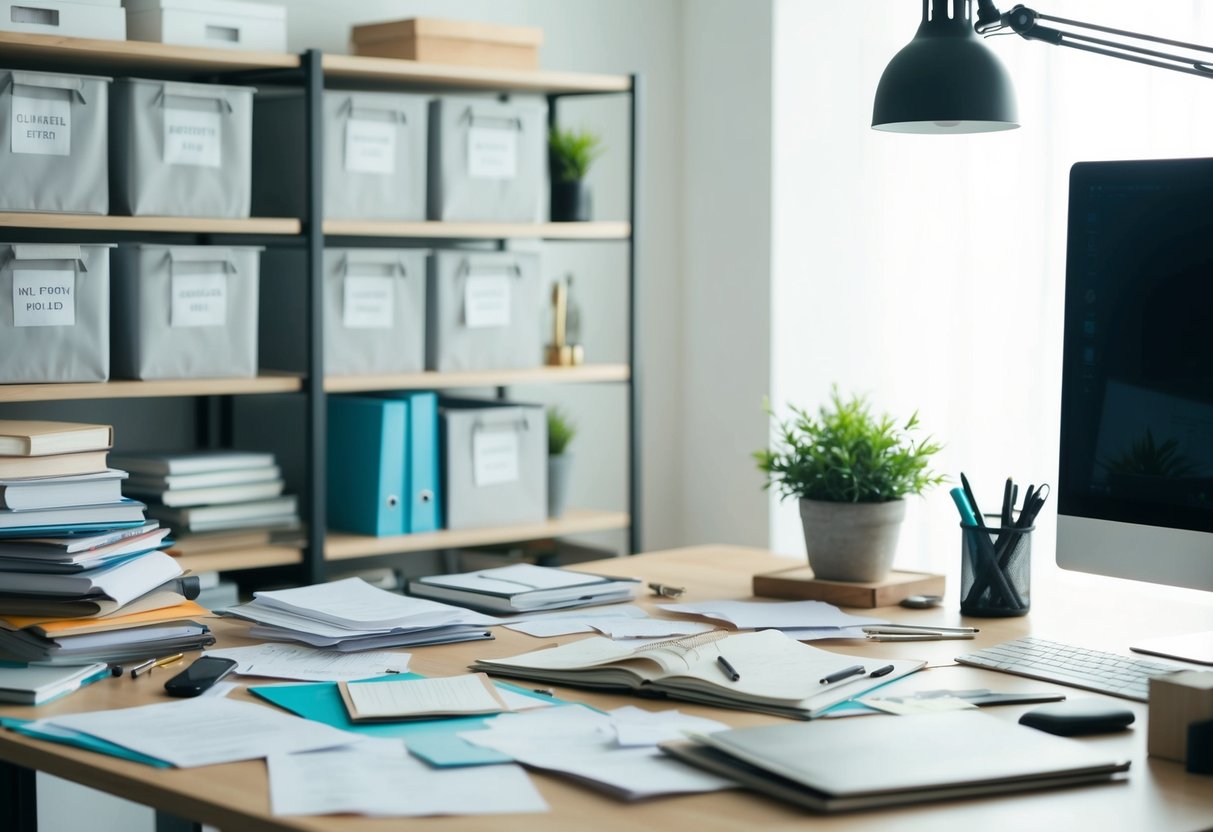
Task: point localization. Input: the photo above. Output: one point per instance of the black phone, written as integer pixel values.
(199, 676)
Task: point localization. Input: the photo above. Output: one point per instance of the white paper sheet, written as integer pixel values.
(572, 621)
(635, 727)
(775, 615)
(650, 628)
(818, 633)
(468, 694)
(380, 781)
(206, 731)
(288, 661)
(581, 742)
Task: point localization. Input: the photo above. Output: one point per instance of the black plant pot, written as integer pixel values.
(570, 201)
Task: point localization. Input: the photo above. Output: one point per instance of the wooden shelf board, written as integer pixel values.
(130, 54)
(187, 225)
(604, 230)
(585, 374)
(256, 557)
(491, 78)
(342, 546)
(149, 389)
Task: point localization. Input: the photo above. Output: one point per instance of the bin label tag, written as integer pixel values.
(369, 302)
(199, 299)
(486, 300)
(495, 455)
(44, 297)
(492, 152)
(192, 137)
(370, 146)
(42, 125)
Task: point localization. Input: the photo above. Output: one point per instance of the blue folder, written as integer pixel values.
(421, 460)
(366, 465)
(435, 741)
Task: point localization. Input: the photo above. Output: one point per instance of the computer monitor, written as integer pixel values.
(1136, 464)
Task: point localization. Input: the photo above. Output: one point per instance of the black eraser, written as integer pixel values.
(1077, 717)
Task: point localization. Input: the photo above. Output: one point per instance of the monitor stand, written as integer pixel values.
(1187, 647)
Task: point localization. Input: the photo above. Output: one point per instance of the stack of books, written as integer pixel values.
(213, 500)
(351, 615)
(82, 577)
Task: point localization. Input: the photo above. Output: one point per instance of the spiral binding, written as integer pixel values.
(684, 643)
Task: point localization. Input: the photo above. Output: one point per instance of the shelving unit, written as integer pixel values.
(310, 72)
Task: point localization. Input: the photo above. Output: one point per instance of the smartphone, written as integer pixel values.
(199, 676)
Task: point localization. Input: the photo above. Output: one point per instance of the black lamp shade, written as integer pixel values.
(945, 80)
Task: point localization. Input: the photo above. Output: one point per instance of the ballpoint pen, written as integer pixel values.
(136, 670)
(728, 669)
(151, 664)
(845, 673)
(881, 671)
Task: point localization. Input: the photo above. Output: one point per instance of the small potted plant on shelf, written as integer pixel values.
(560, 433)
(572, 152)
(851, 471)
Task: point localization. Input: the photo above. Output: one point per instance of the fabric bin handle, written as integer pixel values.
(27, 251)
(66, 83)
(517, 425)
(353, 104)
(201, 92)
(471, 117)
(202, 255)
(350, 264)
(466, 269)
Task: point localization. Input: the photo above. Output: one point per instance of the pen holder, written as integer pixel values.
(995, 570)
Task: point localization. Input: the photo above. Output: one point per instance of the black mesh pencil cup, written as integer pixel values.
(995, 570)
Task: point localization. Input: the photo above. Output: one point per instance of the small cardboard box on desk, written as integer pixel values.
(1177, 701)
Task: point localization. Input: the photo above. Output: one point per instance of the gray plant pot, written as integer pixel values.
(851, 541)
(558, 483)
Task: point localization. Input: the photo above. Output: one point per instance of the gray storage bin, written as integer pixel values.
(488, 159)
(374, 311)
(494, 462)
(483, 311)
(54, 157)
(185, 311)
(374, 155)
(54, 313)
(181, 150)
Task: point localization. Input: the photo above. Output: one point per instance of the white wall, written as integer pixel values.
(927, 271)
(726, 260)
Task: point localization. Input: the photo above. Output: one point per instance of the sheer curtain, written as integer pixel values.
(927, 271)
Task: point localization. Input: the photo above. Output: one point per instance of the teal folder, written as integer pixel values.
(421, 460)
(366, 465)
(64, 736)
(435, 741)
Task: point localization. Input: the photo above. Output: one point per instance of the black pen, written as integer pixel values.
(728, 669)
(845, 673)
(881, 671)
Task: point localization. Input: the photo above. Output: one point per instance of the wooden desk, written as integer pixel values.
(1159, 795)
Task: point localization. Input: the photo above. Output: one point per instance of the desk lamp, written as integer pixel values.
(946, 81)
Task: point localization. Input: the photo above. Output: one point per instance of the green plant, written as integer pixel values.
(560, 431)
(1146, 458)
(845, 454)
(573, 151)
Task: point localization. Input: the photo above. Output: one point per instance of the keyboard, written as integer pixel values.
(1066, 664)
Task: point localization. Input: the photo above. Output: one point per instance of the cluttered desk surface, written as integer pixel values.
(1157, 794)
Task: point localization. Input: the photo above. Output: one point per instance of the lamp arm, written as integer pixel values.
(1023, 21)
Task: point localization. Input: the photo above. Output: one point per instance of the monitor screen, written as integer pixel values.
(1137, 372)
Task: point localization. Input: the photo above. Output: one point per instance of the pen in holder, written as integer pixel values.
(995, 569)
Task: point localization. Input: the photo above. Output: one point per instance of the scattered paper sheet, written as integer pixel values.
(649, 628)
(819, 633)
(636, 727)
(205, 731)
(583, 743)
(383, 781)
(574, 621)
(917, 705)
(776, 615)
(289, 661)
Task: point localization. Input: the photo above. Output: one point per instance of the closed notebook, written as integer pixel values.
(56, 492)
(846, 764)
(214, 495)
(124, 511)
(400, 699)
(192, 462)
(55, 465)
(776, 674)
(524, 587)
(31, 684)
(31, 437)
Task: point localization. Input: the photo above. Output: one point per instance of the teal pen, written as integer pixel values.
(962, 504)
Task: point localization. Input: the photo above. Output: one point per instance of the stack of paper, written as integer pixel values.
(211, 491)
(801, 620)
(523, 587)
(352, 615)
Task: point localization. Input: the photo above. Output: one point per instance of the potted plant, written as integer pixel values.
(572, 152)
(851, 471)
(560, 433)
